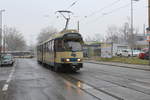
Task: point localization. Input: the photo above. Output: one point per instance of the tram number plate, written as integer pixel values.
(74, 63)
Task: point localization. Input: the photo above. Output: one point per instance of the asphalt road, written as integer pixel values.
(27, 80)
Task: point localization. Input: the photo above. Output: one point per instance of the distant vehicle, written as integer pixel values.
(136, 52)
(128, 52)
(123, 52)
(146, 55)
(7, 59)
(142, 55)
(21, 54)
(62, 52)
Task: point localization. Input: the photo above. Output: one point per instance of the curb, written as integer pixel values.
(146, 69)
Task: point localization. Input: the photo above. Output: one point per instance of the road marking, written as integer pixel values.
(9, 79)
(10, 75)
(5, 87)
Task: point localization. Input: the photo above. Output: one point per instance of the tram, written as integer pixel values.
(63, 51)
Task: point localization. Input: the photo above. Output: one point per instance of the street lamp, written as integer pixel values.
(1, 11)
(132, 23)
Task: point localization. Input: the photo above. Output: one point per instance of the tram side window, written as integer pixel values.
(46, 47)
(40, 48)
(52, 45)
(58, 45)
(49, 46)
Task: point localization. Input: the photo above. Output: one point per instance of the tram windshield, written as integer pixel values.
(73, 46)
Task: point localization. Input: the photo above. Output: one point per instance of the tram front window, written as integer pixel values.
(73, 46)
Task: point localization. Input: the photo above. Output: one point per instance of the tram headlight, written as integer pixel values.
(78, 60)
(67, 60)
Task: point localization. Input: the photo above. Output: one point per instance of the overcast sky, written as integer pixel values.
(30, 16)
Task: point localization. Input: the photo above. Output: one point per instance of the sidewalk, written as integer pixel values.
(117, 64)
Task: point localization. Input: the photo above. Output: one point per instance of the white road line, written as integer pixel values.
(8, 80)
(5, 87)
(10, 76)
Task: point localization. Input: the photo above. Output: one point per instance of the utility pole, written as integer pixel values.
(132, 35)
(4, 39)
(144, 33)
(132, 19)
(78, 26)
(1, 11)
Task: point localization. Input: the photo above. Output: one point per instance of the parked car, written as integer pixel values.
(146, 56)
(136, 53)
(7, 59)
(128, 52)
(142, 55)
(123, 52)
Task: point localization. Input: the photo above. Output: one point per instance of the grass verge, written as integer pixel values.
(128, 60)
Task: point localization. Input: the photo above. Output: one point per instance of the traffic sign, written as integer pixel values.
(148, 38)
(148, 34)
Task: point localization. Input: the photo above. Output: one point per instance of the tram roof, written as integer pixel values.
(60, 34)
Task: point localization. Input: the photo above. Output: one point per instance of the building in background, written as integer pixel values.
(141, 41)
(91, 49)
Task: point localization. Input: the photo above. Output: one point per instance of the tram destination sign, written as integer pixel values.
(72, 35)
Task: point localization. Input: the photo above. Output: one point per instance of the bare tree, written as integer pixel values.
(122, 35)
(14, 39)
(95, 37)
(112, 34)
(46, 33)
(128, 37)
(125, 30)
(98, 37)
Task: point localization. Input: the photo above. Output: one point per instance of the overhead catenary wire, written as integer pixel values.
(73, 4)
(105, 7)
(93, 13)
(100, 10)
(108, 13)
(112, 11)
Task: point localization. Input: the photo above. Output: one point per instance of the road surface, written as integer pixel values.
(27, 80)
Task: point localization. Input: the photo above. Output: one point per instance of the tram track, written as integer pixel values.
(94, 75)
(87, 87)
(125, 86)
